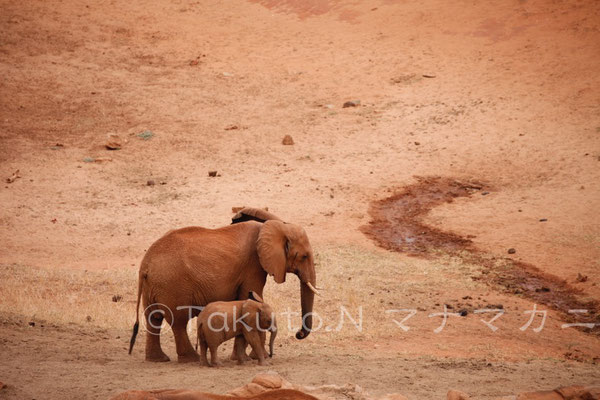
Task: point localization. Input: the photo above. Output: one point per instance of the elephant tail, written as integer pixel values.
(136, 326)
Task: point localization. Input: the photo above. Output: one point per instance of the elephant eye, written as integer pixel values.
(304, 257)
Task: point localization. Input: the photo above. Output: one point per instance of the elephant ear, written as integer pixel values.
(252, 308)
(271, 247)
(253, 214)
(252, 295)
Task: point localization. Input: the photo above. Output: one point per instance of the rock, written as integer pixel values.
(251, 389)
(2, 385)
(543, 219)
(463, 312)
(457, 395)
(212, 173)
(394, 396)
(485, 193)
(428, 76)
(581, 278)
(287, 140)
(31, 323)
(269, 380)
(113, 143)
(13, 177)
(88, 159)
(116, 298)
(545, 395)
(417, 143)
(512, 251)
(150, 182)
(88, 318)
(353, 103)
(574, 393)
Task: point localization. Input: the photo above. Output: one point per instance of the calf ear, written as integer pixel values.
(254, 296)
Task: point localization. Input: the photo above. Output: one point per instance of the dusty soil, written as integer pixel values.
(504, 96)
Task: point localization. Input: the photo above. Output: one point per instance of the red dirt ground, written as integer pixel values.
(502, 93)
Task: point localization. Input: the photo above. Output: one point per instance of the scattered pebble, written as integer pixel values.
(543, 219)
(57, 146)
(227, 74)
(116, 298)
(113, 143)
(287, 140)
(88, 159)
(212, 173)
(31, 323)
(13, 177)
(512, 251)
(352, 103)
(417, 143)
(485, 193)
(543, 289)
(428, 76)
(150, 182)
(88, 318)
(581, 278)
(463, 312)
(231, 127)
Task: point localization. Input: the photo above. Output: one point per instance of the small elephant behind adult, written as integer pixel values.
(243, 320)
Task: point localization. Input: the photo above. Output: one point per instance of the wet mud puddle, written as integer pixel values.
(397, 224)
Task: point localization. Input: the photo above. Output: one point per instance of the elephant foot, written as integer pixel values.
(158, 358)
(254, 356)
(217, 364)
(187, 358)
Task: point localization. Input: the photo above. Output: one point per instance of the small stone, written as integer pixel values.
(512, 251)
(287, 140)
(428, 76)
(463, 312)
(231, 127)
(417, 143)
(457, 395)
(543, 289)
(543, 219)
(116, 298)
(485, 193)
(3, 385)
(581, 278)
(212, 173)
(88, 318)
(150, 182)
(113, 142)
(352, 103)
(89, 159)
(31, 323)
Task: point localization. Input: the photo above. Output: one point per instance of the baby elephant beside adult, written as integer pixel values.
(194, 266)
(243, 320)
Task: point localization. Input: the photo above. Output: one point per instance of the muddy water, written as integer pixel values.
(397, 224)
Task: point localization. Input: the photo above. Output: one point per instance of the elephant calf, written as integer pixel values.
(243, 319)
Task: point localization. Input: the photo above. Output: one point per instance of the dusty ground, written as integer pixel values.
(503, 94)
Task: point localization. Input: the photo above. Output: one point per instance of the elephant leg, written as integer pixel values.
(239, 347)
(214, 358)
(203, 351)
(185, 351)
(254, 339)
(263, 340)
(154, 352)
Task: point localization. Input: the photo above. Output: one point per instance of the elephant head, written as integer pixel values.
(284, 248)
(260, 316)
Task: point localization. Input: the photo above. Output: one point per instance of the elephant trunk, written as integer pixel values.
(307, 298)
(272, 339)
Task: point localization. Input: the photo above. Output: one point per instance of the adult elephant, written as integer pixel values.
(194, 266)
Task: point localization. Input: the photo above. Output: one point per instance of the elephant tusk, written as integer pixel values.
(312, 288)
